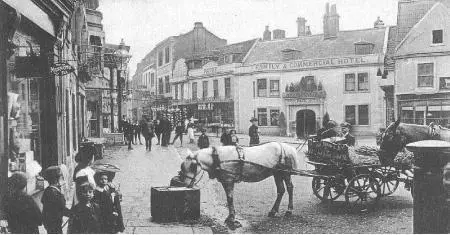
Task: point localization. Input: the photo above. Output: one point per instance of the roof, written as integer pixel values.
(316, 47)
(409, 13)
(241, 48)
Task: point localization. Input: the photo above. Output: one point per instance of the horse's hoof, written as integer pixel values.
(233, 224)
(237, 224)
(288, 214)
(271, 214)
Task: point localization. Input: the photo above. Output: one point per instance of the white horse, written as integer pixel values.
(231, 165)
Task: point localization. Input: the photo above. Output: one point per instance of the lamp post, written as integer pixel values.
(122, 58)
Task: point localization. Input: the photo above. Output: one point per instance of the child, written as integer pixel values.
(22, 212)
(225, 139)
(108, 198)
(234, 140)
(53, 201)
(86, 214)
(203, 141)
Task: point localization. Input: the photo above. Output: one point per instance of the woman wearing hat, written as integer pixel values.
(253, 132)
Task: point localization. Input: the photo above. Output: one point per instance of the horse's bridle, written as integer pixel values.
(182, 174)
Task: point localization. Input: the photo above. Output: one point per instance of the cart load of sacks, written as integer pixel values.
(340, 154)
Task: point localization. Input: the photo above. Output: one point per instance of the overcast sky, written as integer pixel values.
(144, 23)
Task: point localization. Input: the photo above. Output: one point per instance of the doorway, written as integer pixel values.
(305, 122)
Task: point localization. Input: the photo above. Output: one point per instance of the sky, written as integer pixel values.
(144, 23)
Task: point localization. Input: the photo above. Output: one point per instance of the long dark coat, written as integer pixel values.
(254, 135)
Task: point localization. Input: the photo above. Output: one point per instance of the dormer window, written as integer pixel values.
(364, 48)
(438, 36)
(291, 54)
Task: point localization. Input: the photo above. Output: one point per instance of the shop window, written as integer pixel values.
(262, 116)
(274, 117)
(216, 88)
(425, 75)
(438, 36)
(194, 90)
(357, 114)
(350, 82)
(262, 87)
(167, 84)
(160, 58)
(444, 83)
(161, 86)
(205, 89)
(275, 88)
(363, 81)
(167, 54)
(227, 87)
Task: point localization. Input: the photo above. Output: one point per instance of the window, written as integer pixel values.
(167, 54)
(363, 81)
(308, 83)
(152, 80)
(350, 82)
(226, 59)
(176, 91)
(205, 89)
(167, 84)
(161, 86)
(194, 90)
(227, 88)
(438, 36)
(364, 48)
(444, 83)
(182, 91)
(160, 58)
(425, 75)
(274, 88)
(274, 117)
(358, 113)
(262, 116)
(262, 87)
(363, 115)
(216, 88)
(235, 58)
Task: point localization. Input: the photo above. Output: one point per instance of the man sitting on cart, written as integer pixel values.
(331, 131)
(348, 138)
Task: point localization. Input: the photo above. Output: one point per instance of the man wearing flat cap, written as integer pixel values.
(349, 139)
(253, 132)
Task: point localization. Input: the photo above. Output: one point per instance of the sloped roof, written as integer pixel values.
(409, 13)
(316, 47)
(236, 48)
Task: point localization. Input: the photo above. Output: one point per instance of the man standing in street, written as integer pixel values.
(165, 129)
(253, 132)
(157, 125)
(137, 133)
(147, 132)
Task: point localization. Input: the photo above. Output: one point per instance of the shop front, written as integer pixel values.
(424, 109)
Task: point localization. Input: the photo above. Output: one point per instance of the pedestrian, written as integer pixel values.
(179, 130)
(234, 140)
(190, 131)
(107, 196)
(165, 131)
(158, 130)
(137, 133)
(84, 158)
(86, 215)
(128, 130)
(148, 132)
(253, 132)
(22, 213)
(203, 140)
(53, 201)
(225, 139)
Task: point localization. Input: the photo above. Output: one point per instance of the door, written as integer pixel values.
(305, 122)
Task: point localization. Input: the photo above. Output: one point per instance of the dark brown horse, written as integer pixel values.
(398, 135)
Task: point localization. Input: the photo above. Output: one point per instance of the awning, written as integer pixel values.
(28, 9)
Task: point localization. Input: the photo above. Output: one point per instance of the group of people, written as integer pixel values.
(95, 208)
(332, 129)
(229, 138)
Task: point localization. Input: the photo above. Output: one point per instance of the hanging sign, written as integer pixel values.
(61, 69)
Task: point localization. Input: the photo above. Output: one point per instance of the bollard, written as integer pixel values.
(429, 211)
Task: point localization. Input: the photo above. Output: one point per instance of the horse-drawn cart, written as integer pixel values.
(362, 183)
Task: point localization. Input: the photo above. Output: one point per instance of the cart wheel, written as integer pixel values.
(362, 192)
(327, 189)
(388, 179)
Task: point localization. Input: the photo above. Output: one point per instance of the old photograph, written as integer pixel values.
(225, 116)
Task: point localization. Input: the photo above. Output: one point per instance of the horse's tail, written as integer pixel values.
(290, 157)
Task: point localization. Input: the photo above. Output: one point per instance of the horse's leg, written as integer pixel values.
(231, 219)
(280, 191)
(290, 188)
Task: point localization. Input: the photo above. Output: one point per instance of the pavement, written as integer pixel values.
(141, 170)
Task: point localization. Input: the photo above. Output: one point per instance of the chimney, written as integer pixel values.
(198, 25)
(378, 23)
(267, 35)
(308, 30)
(279, 34)
(332, 22)
(301, 30)
(326, 21)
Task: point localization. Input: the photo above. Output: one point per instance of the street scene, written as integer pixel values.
(217, 117)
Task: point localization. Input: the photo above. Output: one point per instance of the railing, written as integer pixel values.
(304, 94)
(202, 100)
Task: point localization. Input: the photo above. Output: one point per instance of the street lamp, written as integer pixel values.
(122, 57)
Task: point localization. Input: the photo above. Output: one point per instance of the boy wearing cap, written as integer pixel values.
(203, 140)
(253, 132)
(53, 201)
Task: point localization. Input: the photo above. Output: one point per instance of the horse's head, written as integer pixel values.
(391, 142)
(189, 170)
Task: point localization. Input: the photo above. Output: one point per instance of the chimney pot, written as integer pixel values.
(267, 35)
(198, 25)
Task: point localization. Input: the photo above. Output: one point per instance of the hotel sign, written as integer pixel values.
(316, 63)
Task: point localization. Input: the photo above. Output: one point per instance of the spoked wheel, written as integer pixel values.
(362, 193)
(388, 179)
(328, 189)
